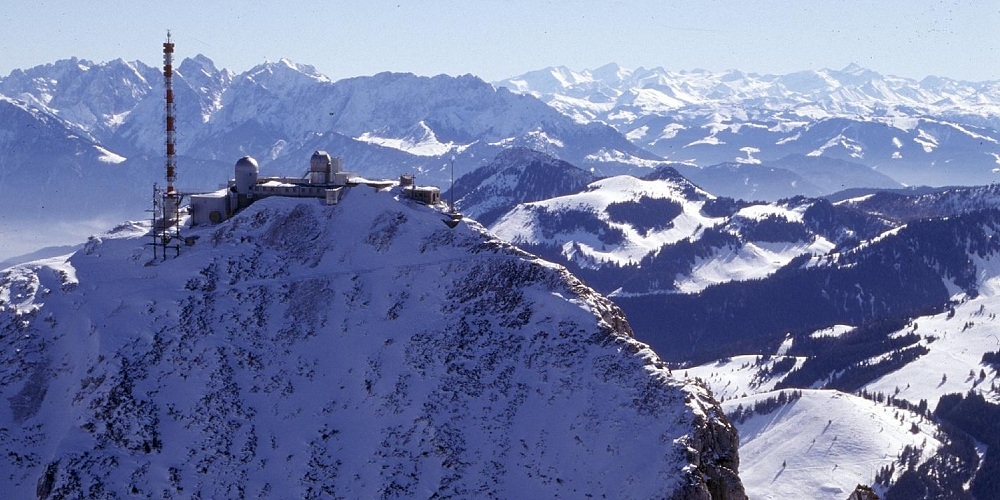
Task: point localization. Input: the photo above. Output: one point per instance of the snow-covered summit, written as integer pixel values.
(616, 220)
(358, 350)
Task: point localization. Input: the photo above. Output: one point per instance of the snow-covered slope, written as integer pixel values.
(827, 441)
(596, 225)
(905, 433)
(955, 342)
(357, 350)
(658, 234)
(820, 444)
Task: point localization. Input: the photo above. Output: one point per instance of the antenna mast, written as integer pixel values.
(168, 71)
(169, 210)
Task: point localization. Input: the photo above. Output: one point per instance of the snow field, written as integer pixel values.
(822, 445)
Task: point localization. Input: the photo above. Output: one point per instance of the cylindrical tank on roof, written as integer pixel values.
(246, 174)
(319, 168)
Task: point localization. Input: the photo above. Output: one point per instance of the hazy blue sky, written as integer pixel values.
(498, 39)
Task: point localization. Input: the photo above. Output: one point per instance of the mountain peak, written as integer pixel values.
(854, 75)
(200, 61)
(854, 69)
(286, 66)
(612, 72)
(295, 344)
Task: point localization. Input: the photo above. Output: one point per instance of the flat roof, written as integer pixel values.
(222, 193)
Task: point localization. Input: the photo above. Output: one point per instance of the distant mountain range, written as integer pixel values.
(280, 112)
(934, 131)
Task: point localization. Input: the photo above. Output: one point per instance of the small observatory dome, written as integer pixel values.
(319, 167)
(246, 174)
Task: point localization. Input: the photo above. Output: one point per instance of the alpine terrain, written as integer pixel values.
(818, 249)
(851, 338)
(357, 350)
(77, 126)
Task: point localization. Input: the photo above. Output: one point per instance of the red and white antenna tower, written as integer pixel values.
(168, 70)
(169, 209)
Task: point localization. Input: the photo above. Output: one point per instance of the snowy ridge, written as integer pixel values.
(523, 225)
(658, 234)
(357, 350)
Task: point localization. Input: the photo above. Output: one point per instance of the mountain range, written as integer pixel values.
(766, 234)
(102, 129)
(740, 135)
(936, 131)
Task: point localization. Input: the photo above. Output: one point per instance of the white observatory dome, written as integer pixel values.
(319, 167)
(246, 174)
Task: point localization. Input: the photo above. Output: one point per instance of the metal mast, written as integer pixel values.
(168, 71)
(169, 209)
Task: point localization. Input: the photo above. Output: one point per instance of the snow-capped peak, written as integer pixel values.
(294, 346)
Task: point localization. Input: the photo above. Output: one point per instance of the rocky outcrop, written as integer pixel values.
(714, 450)
(863, 492)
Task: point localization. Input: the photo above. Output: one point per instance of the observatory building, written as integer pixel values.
(325, 180)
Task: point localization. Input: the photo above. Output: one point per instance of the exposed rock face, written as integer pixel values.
(362, 350)
(716, 444)
(863, 492)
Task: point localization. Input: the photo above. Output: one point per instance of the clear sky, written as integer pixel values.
(502, 38)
